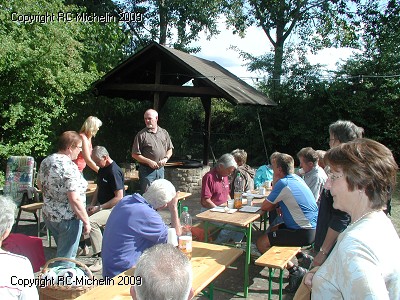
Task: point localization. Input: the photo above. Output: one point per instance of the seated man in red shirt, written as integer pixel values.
(215, 191)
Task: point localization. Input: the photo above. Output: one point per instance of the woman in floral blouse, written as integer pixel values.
(64, 197)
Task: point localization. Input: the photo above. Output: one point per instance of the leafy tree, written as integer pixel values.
(44, 66)
(316, 23)
(367, 87)
(173, 22)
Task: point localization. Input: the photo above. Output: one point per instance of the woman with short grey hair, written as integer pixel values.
(344, 131)
(8, 208)
(332, 221)
(15, 268)
(244, 170)
(240, 156)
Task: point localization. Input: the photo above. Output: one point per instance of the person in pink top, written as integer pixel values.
(88, 130)
(215, 183)
(215, 191)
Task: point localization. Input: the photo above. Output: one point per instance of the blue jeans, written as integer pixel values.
(278, 220)
(225, 235)
(66, 234)
(147, 175)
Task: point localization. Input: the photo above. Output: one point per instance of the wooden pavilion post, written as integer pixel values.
(156, 98)
(206, 101)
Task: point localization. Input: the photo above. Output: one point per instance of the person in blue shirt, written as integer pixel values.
(299, 211)
(134, 225)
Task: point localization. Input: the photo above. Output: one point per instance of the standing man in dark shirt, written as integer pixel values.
(152, 148)
(332, 221)
(109, 191)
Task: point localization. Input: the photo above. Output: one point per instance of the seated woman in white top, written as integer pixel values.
(16, 270)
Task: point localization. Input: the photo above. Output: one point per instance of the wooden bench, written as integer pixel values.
(276, 258)
(33, 208)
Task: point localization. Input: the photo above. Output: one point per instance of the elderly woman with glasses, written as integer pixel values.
(64, 199)
(14, 268)
(364, 264)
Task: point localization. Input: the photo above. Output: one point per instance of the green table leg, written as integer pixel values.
(247, 231)
(270, 283)
(247, 260)
(211, 291)
(208, 292)
(205, 231)
(280, 283)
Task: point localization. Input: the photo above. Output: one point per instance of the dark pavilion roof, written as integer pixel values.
(170, 72)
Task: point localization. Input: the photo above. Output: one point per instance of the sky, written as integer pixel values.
(255, 43)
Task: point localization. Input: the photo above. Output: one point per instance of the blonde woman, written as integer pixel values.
(89, 129)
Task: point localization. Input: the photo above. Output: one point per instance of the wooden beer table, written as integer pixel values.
(244, 223)
(92, 188)
(130, 178)
(181, 197)
(208, 262)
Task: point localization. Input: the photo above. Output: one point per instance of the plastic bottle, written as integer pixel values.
(238, 191)
(185, 239)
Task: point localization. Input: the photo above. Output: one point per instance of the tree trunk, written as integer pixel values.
(278, 47)
(163, 22)
(206, 101)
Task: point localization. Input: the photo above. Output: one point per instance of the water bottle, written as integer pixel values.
(185, 240)
(238, 191)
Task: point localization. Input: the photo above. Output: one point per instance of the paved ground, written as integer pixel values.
(231, 278)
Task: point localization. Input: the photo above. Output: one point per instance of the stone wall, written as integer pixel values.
(186, 179)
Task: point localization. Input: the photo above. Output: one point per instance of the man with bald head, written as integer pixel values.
(152, 148)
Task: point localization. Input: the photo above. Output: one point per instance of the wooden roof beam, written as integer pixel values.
(175, 89)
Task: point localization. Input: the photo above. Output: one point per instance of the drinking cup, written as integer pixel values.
(268, 184)
(261, 191)
(172, 237)
(249, 201)
(230, 203)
